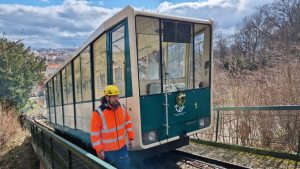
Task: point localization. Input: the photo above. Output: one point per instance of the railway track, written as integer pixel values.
(197, 161)
(182, 160)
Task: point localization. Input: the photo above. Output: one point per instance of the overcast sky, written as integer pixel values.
(65, 23)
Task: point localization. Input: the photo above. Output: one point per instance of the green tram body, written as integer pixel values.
(145, 55)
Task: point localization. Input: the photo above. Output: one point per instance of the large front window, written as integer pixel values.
(173, 50)
(148, 55)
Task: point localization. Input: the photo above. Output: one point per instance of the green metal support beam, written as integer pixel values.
(257, 108)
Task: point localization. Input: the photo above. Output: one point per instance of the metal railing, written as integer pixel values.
(56, 152)
(275, 128)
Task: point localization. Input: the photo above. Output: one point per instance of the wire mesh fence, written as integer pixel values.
(275, 128)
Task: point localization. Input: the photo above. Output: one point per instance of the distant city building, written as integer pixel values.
(51, 68)
(54, 59)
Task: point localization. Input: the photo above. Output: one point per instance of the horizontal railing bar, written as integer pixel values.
(257, 108)
(84, 155)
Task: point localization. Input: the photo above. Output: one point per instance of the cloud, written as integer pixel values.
(52, 26)
(226, 13)
(73, 21)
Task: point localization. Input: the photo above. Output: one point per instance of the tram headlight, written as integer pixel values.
(204, 122)
(150, 137)
(201, 122)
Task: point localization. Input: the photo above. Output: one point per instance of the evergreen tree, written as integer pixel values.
(20, 70)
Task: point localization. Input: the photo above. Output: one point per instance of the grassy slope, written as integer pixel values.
(279, 85)
(15, 146)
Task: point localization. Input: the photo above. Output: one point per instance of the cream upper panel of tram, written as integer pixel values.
(106, 25)
(172, 17)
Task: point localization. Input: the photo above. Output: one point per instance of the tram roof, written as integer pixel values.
(115, 19)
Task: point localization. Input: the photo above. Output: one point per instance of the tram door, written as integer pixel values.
(119, 60)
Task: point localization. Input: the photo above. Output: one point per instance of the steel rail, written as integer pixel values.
(209, 160)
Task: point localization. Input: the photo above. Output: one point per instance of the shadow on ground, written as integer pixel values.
(20, 157)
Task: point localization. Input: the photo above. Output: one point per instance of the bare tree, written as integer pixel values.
(269, 35)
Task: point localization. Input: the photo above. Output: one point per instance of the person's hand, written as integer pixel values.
(130, 144)
(101, 155)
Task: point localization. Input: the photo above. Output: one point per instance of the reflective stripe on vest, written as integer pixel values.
(96, 133)
(113, 129)
(128, 122)
(102, 118)
(96, 143)
(130, 129)
(113, 140)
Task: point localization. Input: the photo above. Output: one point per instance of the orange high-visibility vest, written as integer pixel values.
(108, 128)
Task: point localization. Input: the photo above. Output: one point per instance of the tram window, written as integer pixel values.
(118, 59)
(148, 55)
(100, 66)
(202, 52)
(86, 75)
(69, 84)
(51, 98)
(77, 79)
(179, 32)
(47, 95)
(64, 84)
(175, 61)
(118, 74)
(54, 91)
(57, 90)
(177, 53)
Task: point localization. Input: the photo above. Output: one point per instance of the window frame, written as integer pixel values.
(192, 46)
(127, 69)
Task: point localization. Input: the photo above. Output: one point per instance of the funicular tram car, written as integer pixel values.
(162, 66)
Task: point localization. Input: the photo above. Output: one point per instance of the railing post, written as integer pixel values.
(70, 159)
(43, 144)
(35, 134)
(298, 153)
(31, 132)
(217, 126)
(51, 151)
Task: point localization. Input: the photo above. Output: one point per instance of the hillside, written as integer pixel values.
(15, 147)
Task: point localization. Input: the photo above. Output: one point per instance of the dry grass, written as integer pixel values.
(15, 146)
(279, 85)
(277, 130)
(10, 131)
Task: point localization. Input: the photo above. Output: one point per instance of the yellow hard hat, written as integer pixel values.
(111, 90)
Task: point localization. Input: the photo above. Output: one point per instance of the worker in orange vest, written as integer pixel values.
(109, 124)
